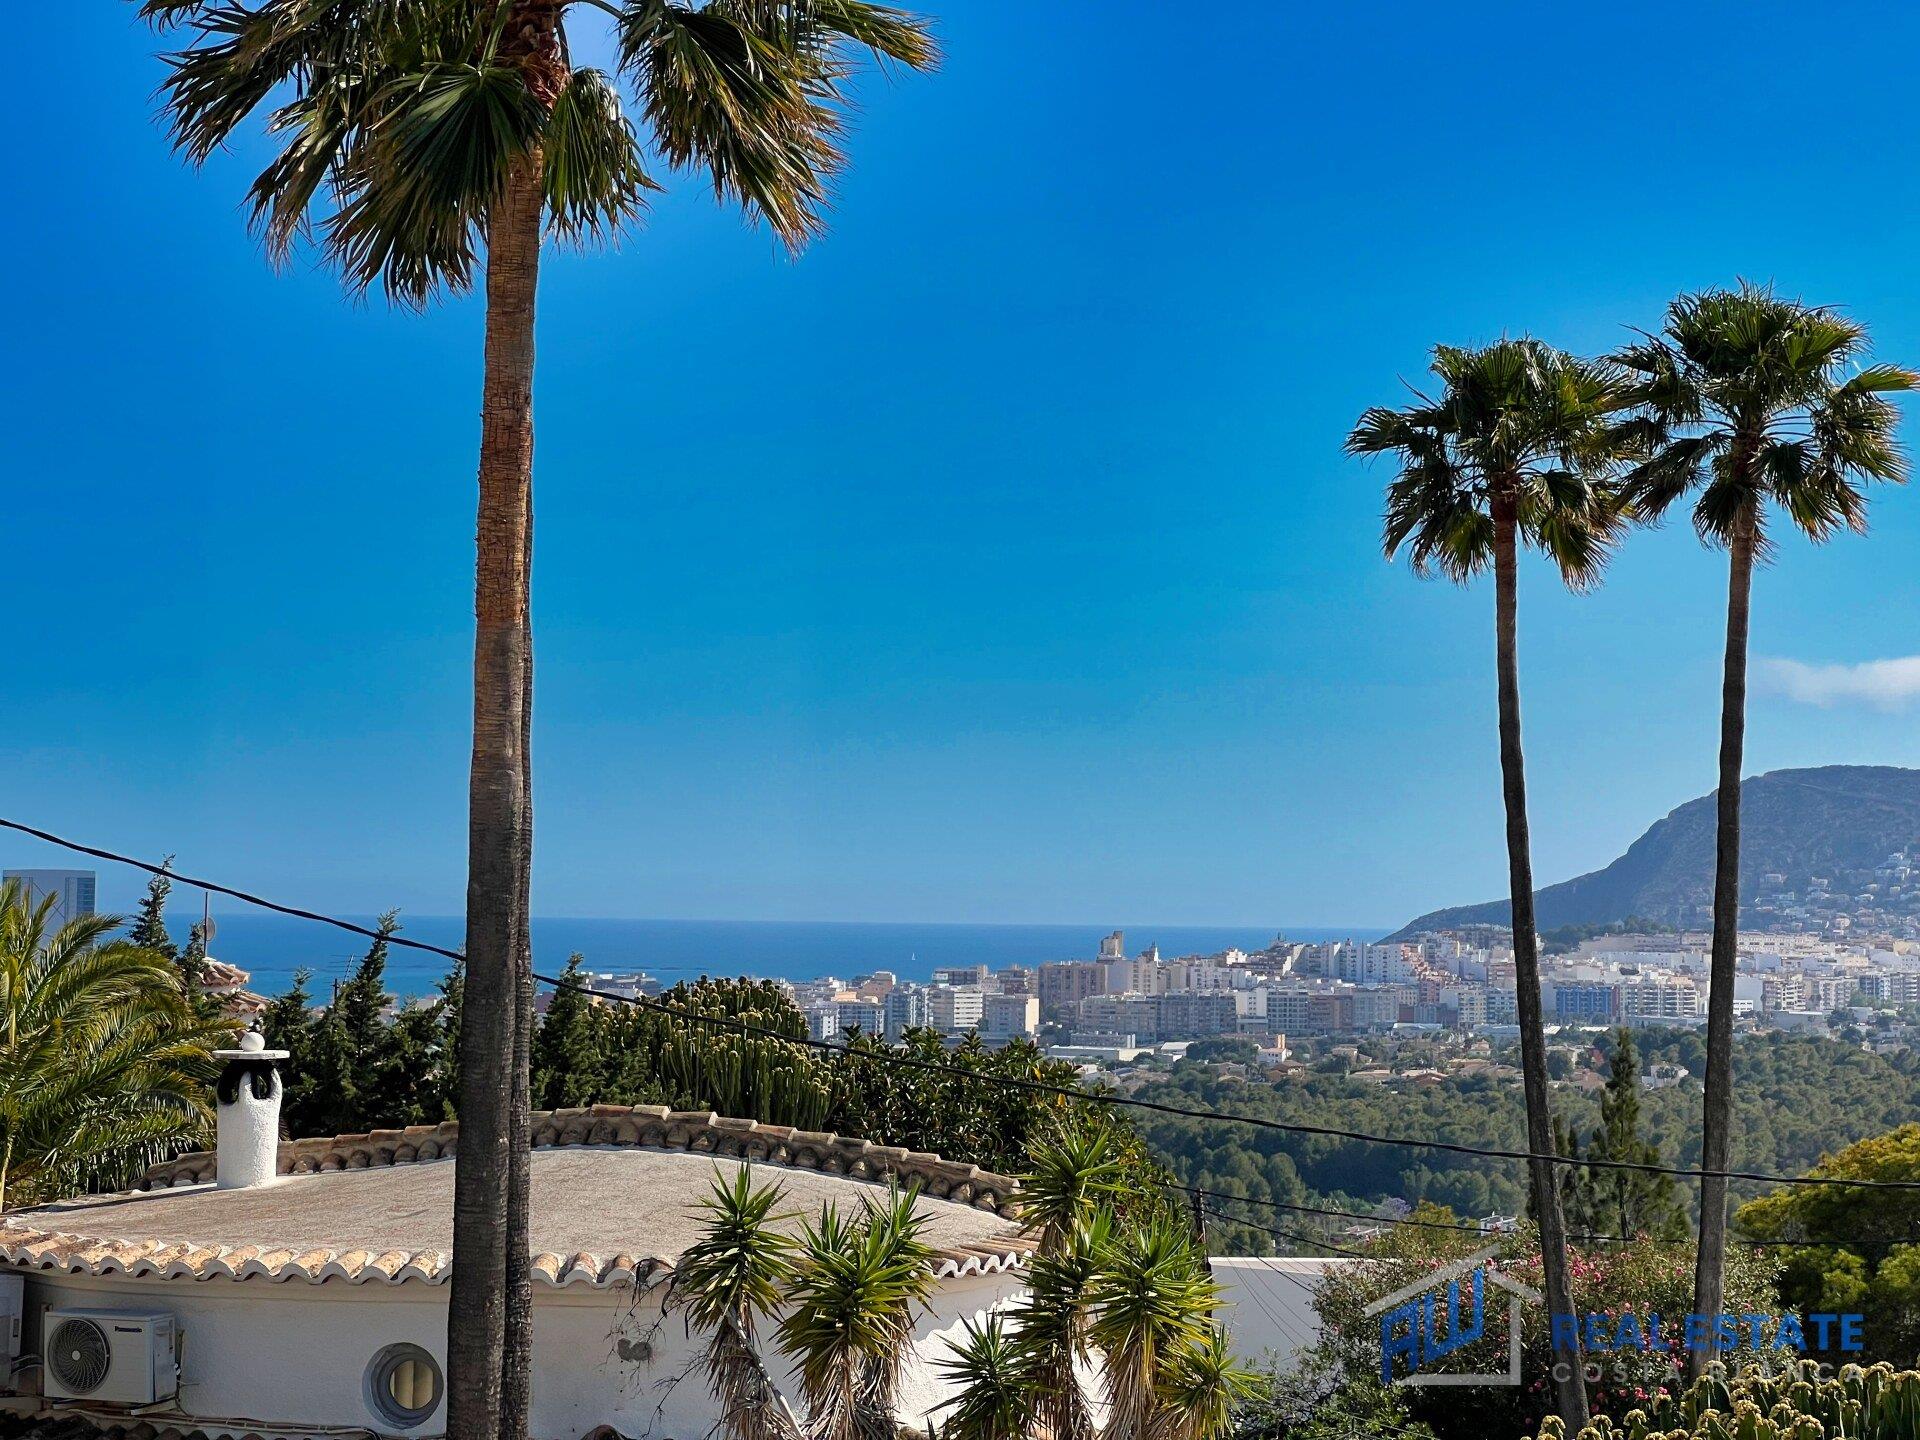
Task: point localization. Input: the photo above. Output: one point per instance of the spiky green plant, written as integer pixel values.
(1069, 1179)
(103, 1061)
(727, 1282)
(1051, 1326)
(850, 1322)
(1204, 1387)
(1151, 1302)
(993, 1391)
(1753, 404)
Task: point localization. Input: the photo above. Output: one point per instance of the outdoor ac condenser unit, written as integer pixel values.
(118, 1357)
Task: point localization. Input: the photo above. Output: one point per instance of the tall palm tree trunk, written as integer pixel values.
(1570, 1391)
(499, 834)
(1717, 1120)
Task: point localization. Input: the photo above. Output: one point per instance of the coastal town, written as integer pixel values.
(1113, 1006)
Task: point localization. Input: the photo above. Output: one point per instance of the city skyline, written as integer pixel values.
(1035, 587)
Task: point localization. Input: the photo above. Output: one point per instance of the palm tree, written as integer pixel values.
(729, 1280)
(1750, 405)
(1518, 450)
(1151, 1303)
(850, 1325)
(441, 140)
(103, 1062)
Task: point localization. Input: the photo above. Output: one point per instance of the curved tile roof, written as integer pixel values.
(615, 1192)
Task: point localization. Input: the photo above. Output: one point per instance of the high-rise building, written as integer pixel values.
(1065, 983)
(955, 1009)
(907, 1009)
(73, 891)
(1004, 1017)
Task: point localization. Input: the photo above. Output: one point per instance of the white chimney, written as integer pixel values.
(248, 1114)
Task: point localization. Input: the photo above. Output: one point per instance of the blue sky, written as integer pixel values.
(997, 559)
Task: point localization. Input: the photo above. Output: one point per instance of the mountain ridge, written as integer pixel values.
(1796, 826)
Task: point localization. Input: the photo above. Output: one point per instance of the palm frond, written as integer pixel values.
(595, 180)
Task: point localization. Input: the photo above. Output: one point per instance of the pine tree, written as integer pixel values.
(443, 1099)
(193, 960)
(568, 1062)
(149, 929)
(1629, 1202)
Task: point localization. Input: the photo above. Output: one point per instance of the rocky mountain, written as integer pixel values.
(1815, 845)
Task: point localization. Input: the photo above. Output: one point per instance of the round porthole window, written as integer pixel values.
(404, 1386)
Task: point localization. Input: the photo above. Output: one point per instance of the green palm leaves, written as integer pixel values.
(851, 1289)
(103, 1063)
(1747, 400)
(850, 1326)
(1151, 1304)
(1520, 428)
(1070, 1180)
(995, 1389)
(1135, 1305)
(728, 1281)
(399, 119)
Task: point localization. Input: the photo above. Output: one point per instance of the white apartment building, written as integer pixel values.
(73, 892)
(1659, 997)
(1006, 1017)
(955, 1009)
(907, 1007)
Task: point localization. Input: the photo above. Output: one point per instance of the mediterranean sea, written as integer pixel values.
(273, 947)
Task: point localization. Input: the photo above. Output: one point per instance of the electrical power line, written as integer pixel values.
(1588, 1238)
(1094, 1097)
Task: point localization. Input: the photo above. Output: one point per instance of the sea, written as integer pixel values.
(273, 947)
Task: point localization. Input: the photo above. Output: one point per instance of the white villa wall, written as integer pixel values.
(291, 1357)
(1268, 1310)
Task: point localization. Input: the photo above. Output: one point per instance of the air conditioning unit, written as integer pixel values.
(117, 1357)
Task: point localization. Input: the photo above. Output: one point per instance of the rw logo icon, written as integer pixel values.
(1446, 1312)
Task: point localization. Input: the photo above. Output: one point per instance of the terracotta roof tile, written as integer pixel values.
(363, 1223)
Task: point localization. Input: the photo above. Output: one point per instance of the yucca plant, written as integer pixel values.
(1070, 1178)
(851, 1314)
(1203, 1390)
(1151, 1302)
(1755, 405)
(993, 1390)
(727, 1282)
(433, 146)
(103, 1061)
(1051, 1327)
(1521, 448)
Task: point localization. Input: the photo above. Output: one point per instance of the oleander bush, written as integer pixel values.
(1642, 1279)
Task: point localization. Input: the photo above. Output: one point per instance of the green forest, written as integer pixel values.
(1797, 1098)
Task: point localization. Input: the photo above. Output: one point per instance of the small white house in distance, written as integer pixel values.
(302, 1291)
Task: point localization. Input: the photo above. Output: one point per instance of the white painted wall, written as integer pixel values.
(266, 1356)
(1269, 1311)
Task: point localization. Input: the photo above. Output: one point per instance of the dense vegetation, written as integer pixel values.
(1785, 1402)
(1797, 1098)
(1863, 1246)
(359, 1064)
(104, 1065)
(1795, 823)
